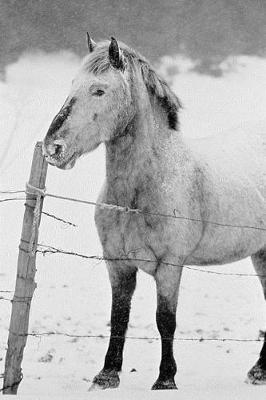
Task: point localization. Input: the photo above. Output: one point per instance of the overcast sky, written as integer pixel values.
(206, 30)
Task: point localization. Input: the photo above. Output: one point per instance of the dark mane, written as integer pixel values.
(98, 62)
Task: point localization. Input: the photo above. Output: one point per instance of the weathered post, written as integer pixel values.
(25, 283)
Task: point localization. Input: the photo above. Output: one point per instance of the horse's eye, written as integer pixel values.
(98, 93)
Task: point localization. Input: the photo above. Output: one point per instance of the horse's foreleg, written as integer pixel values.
(123, 282)
(257, 374)
(167, 281)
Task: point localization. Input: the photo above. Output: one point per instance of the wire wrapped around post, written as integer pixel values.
(39, 193)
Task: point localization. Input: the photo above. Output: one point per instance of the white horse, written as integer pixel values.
(119, 100)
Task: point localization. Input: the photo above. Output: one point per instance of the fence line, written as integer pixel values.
(10, 386)
(18, 332)
(157, 338)
(53, 250)
(59, 219)
(43, 212)
(21, 299)
(5, 299)
(30, 190)
(12, 199)
(47, 249)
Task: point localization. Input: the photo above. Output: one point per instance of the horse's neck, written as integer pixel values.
(135, 154)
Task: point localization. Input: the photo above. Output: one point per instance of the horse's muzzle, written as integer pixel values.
(54, 150)
(55, 153)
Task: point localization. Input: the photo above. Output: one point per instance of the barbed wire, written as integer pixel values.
(59, 219)
(14, 385)
(101, 336)
(133, 210)
(12, 199)
(4, 298)
(12, 191)
(43, 212)
(145, 338)
(17, 299)
(46, 249)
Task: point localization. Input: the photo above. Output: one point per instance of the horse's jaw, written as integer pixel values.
(69, 165)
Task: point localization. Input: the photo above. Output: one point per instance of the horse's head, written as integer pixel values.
(98, 108)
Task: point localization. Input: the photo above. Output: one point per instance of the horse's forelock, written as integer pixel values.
(98, 62)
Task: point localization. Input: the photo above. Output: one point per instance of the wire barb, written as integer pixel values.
(59, 219)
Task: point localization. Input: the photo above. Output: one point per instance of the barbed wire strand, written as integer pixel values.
(59, 219)
(138, 211)
(53, 216)
(135, 211)
(47, 249)
(100, 336)
(43, 212)
(53, 250)
(10, 386)
(4, 298)
(12, 199)
(146, 338)
(11, 191)
(22, 299)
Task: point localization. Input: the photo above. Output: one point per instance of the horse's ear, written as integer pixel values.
(115, 55)
(91, 43)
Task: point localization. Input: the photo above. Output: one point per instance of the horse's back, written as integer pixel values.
(239, 154)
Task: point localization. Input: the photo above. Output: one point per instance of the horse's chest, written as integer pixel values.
(130, 236)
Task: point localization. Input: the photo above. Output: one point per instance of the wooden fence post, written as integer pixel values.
(25, 283)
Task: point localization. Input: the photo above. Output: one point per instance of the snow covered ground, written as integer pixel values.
(73, 295)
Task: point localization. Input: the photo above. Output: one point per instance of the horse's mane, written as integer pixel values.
(98, 62)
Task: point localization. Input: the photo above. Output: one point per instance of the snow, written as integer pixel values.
(73, 295)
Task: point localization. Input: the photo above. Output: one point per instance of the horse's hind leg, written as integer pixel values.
(123, 282)
(257, 374)
(167, 281)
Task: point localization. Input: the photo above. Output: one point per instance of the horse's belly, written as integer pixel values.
(226, 245)
(235, 189)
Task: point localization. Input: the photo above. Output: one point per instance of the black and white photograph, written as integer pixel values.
(133, 199)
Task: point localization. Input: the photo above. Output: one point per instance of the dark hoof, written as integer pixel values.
(257, 375)
(105, 380)
(164, 385)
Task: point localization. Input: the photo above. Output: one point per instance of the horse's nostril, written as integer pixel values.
(57, 149)
(54, 149)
